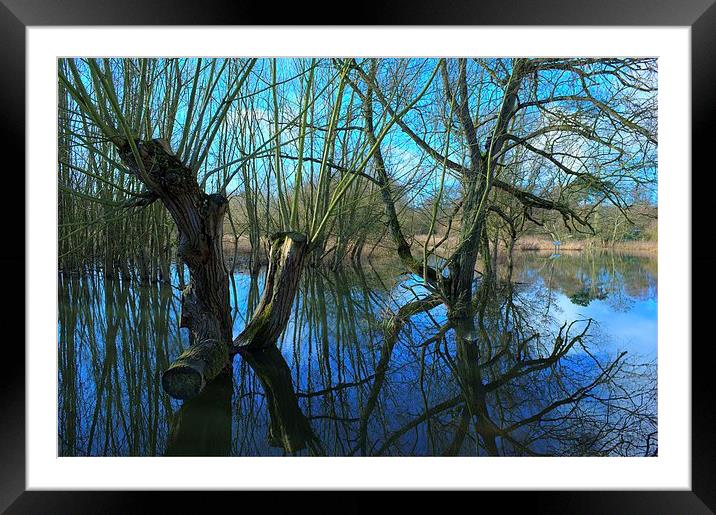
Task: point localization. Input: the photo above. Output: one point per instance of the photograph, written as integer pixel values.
(357, 256)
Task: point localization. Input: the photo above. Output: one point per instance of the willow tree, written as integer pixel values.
(175, 126)
(541, 136)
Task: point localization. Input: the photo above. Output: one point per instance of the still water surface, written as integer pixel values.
(542, 372)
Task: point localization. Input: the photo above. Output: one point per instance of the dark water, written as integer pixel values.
(541, 372)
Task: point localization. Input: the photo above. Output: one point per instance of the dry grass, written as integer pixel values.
(244, 245)
(534, 243)
(386, 249)
(637, 246)
(530, 243)
(243, 252)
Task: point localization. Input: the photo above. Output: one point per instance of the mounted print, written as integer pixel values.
(357, 256)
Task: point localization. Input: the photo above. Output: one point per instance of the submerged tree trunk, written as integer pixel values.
(477, 183)
(511, 256)
(462, 262)
(206, 311)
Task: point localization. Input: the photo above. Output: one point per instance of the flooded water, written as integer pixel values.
(541, 372)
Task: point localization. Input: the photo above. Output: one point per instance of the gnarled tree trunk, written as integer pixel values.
(205, 301)
(206, 310)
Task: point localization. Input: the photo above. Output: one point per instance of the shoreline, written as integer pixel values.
(385, 249)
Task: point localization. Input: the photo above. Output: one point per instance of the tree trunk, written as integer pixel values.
(511, 256)
(477, 183)
(462, 262)
(286, 259)
(199, 218)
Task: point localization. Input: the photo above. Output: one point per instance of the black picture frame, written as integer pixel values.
(17, 15)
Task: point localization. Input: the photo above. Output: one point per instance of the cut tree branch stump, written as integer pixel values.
(195, 367)
(286, 258)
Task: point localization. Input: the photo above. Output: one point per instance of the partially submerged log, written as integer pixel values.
(286, 258)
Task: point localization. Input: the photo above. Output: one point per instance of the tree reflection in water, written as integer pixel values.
(369, 365)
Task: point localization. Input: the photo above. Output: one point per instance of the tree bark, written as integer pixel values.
(462, 263)
(206, 311)
(477, 183)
